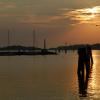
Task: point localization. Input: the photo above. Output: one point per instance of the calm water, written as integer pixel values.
(46, 78)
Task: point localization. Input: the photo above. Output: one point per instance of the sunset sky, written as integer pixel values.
(59, 21)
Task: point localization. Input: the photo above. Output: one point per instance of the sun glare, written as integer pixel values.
(92, 10)
(90, 13)
(85, 15)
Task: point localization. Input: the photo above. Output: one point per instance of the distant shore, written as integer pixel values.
(76, 46)
(63, 47)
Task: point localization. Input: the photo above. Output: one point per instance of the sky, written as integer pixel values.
(60, 22)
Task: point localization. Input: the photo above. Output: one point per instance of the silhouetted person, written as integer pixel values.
(85, 59)
(81, 60)
(89, 58)
(85, 62)
(83, 84)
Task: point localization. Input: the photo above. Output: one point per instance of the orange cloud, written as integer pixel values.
(7, 5)
(43, 19)
(86, 15)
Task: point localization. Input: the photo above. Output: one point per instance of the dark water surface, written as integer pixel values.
(46, 78)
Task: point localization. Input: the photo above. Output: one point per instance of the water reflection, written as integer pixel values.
(49, 78)
(83, 84)
(94, 84)
(89, 85)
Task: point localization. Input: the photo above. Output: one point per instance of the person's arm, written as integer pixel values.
(91, 58)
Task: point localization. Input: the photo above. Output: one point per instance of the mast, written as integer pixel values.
(44, 43)
(8, 38)
(34, 38)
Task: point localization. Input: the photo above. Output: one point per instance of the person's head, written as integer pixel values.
(88, 47)
(81, 51)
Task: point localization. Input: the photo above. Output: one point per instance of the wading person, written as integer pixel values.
(85, 59)
(85, 62)
(88, 59)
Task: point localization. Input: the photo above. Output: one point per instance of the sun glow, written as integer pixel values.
(93, 10)
(88, 13)
(85, 15)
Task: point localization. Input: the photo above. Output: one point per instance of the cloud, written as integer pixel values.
(7, 5)
(85, 15)
(36, 19)
(63, 17)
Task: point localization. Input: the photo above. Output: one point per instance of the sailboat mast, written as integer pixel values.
(44, 43)
(8, 38)
(33, 38)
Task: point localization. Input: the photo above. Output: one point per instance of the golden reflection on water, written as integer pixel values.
(90, 88)
(94, 81)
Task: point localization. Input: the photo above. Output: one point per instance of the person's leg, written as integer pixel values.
(87, 68)
(80, 65)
